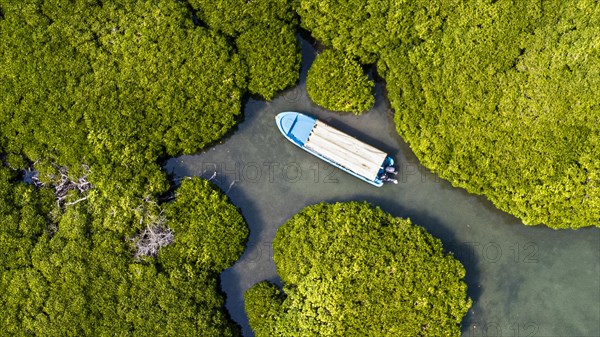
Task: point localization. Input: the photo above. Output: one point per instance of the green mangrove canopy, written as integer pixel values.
(353, 270)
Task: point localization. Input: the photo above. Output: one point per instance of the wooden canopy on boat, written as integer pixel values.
(345, 150)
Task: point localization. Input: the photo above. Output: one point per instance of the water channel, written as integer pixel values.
(524, 281)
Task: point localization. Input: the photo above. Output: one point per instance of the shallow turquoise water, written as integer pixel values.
(524, 281)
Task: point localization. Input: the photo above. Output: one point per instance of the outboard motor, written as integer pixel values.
(391, 170)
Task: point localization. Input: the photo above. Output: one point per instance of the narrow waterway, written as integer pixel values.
(524, 281)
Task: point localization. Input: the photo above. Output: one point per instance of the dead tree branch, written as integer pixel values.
(152, 239)
(63, 183)
(75, 202)
(157, 234)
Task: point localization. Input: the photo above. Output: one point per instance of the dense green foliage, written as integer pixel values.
(115, 86)
(210, 231)
(363, 28)
(273, 58)
(524, 84)
(500, 98)
(120, 84)
(264, 304)
(353, 270)
(82, 279)
(234, 17)
(94, 94)
(337, 82)
(23, 215)
(265, 33)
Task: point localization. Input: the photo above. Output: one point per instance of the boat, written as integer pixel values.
(339, 149)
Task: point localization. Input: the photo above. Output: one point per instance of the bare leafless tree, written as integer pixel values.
(149, 242)
(64, 184)
(157, 234)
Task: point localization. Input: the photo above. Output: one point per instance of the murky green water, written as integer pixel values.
(524, 281)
